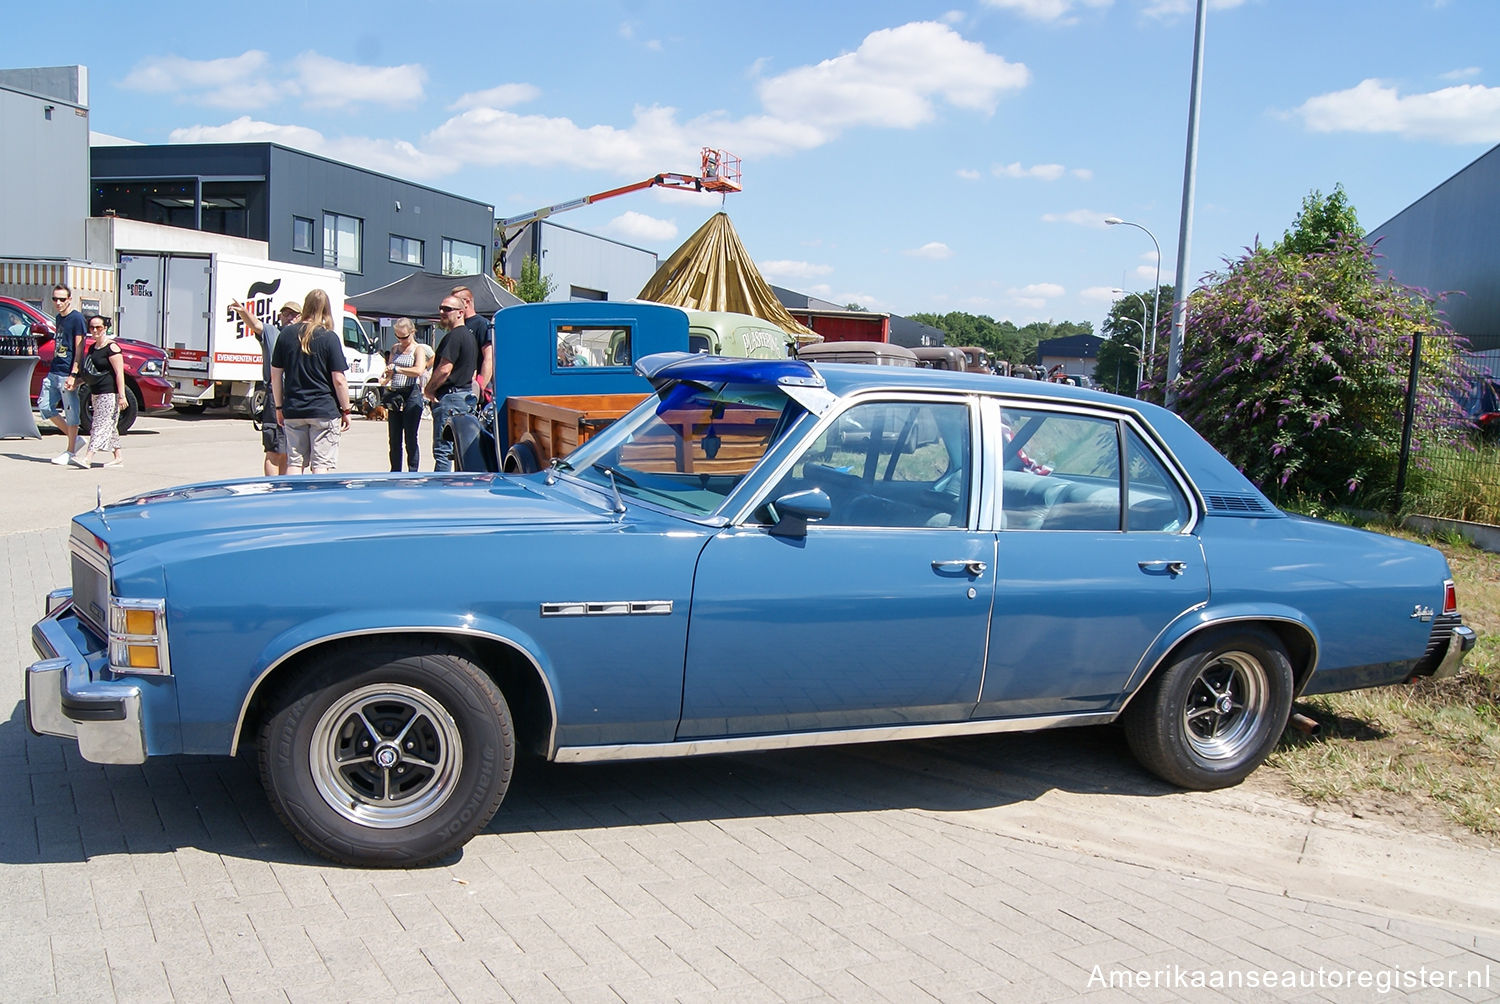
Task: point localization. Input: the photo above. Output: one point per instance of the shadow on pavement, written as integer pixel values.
(76, 809)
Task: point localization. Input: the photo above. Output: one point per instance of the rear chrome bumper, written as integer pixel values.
(64, 699)
(1459, 645)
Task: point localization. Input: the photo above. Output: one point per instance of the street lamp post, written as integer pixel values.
(1115, 221)
(1140, 359)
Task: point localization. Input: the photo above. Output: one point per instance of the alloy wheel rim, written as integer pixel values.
(386, 755)
(1226, 703)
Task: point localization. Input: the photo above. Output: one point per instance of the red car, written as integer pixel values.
(146, 386)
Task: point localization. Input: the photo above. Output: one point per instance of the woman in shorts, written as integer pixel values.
(310, 389)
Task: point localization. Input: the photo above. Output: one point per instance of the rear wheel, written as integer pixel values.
(1213, 715)
(388, 755)
(522, 458)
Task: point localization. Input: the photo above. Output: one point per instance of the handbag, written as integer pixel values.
(394, 398)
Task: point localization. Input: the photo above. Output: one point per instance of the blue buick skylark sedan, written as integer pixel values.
(763, 554)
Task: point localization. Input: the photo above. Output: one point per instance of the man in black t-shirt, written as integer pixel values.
(450, 387)
(483, 336)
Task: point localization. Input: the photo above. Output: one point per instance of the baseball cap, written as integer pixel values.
(293, 306)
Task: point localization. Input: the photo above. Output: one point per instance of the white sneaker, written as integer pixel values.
(61, 460)
(81, 464)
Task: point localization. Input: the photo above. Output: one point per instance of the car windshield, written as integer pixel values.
(686, 448)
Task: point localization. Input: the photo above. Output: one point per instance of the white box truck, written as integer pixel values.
(181, 302)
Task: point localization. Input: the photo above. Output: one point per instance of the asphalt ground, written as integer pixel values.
(1007, 868)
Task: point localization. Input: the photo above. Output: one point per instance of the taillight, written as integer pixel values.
(1450, 597)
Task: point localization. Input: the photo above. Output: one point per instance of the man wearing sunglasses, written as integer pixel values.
(450, 388)
(58, 398)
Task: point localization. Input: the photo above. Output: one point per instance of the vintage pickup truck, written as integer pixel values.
(563, 372)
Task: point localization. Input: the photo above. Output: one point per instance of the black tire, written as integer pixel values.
(193, 408)
(1215, 712)
(255, 402)
(126, 418)
(460, 752)
(368, 399)
(522, 459)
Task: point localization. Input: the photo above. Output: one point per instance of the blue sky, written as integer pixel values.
(907, 156)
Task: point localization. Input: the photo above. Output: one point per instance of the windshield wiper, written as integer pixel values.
(612, 474)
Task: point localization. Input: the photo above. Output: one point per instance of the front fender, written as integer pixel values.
(1200, 619)
(366, 623)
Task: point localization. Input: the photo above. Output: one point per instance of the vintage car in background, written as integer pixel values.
(762, 554)
(867, 353)
(147, 389)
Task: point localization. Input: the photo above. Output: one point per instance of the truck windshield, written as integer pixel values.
(688, 447)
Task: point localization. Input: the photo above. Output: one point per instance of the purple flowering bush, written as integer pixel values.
(1295, 366)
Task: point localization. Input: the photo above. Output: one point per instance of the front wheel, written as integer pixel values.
(1212, 716)
(390, 755)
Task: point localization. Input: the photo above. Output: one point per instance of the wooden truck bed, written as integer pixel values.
(556, 424)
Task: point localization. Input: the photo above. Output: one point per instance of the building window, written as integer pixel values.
(302, 234)
(460, 258)
(406, 251)
(584, 293)
(343, 239)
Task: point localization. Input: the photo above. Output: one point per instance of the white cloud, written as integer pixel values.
(1043, 172)
(232, 82)
(932, 251)
(1098, 294)
(968, 174)
(1029, 302)
(395, 157)
(250, 80)
(1041, 290)
(892, 79)
(1466, 113)
(1058, 11)
(784, 269)
(1082, 173)
(498, 97)
(1146, 272)
(1080, 217)
(329, 83)
(1462, 74)
(640, 227)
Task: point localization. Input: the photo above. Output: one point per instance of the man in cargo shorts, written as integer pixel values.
(272, 432)
(58, 398)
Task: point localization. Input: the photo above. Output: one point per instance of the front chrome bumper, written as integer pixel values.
(64, 699)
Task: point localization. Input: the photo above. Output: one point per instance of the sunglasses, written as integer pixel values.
(446, 309)
(60, 299)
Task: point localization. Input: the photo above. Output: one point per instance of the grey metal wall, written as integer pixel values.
(44, 198)
(1450, 240)
(575, 258)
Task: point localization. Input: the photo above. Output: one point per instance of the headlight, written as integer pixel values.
(151, 367)
(138, 637)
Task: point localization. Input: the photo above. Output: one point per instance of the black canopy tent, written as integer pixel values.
(417, 296)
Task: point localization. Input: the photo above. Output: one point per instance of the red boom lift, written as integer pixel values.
(719, 172)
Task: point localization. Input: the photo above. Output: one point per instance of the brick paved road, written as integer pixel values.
(1008, 868)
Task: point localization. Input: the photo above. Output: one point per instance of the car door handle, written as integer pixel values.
(973, 566)
(1170, 567)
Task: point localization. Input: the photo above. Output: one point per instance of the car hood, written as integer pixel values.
(323, 507)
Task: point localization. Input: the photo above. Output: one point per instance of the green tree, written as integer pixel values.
(534, 287)
(1323, 219)
(1295, 363)
(1118, 356)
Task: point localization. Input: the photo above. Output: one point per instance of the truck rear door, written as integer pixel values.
(187, 313)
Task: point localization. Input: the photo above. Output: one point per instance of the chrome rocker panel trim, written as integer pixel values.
(62, 699)
(839, 737)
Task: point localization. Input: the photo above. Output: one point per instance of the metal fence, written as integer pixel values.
(1454, 476)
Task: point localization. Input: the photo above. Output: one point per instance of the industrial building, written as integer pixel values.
(308, 209)
(1449, 241)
